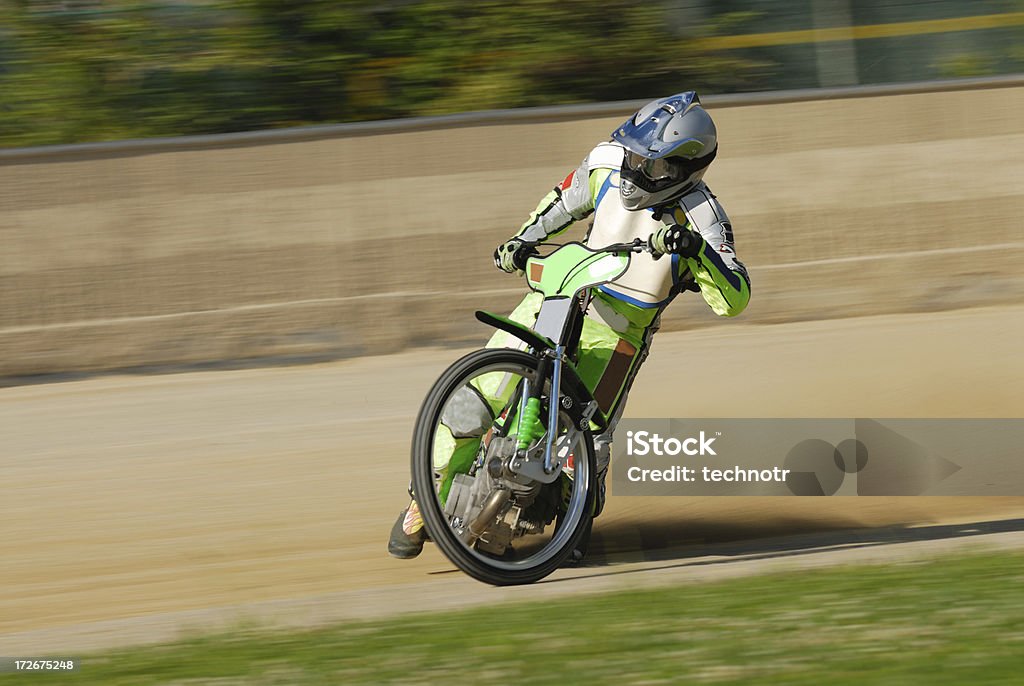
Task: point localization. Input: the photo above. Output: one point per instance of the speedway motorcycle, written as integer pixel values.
(509, 498)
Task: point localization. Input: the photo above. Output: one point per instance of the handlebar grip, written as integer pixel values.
(523, 253)
(649, 244)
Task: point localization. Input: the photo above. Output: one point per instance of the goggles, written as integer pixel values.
(666, 168)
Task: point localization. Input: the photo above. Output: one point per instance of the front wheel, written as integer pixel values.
(499, 526)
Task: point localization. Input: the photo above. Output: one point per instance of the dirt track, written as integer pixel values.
(152, 496)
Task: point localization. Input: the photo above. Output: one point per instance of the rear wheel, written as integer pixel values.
(498, 527)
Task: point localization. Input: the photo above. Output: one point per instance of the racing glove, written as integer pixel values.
(511, 255)
(676, 240)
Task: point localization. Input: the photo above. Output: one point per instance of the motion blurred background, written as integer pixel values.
(88, 70)
(294, 239)
(201, 184)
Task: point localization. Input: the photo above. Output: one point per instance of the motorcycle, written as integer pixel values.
(503, 457)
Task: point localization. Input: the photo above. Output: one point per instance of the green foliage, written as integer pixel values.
(966, 64)
(127, 68)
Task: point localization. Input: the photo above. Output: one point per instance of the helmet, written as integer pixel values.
(669, 145)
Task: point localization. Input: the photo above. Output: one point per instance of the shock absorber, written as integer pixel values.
(530, 426)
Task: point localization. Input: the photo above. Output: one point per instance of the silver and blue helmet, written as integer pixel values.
(669, 145)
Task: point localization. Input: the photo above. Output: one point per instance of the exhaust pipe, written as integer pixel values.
(492, 507)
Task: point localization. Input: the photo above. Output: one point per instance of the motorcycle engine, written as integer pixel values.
(487, 506)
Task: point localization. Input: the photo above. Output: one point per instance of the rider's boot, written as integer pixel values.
(600, 495)
(580, 552)
(408, 533)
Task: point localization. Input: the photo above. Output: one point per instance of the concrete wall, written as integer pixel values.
(367, 244)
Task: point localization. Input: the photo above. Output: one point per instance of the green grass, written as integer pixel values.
(951, 620)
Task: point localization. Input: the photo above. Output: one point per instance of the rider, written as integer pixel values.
(656, 160)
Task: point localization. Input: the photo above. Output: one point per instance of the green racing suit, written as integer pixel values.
(625, 314)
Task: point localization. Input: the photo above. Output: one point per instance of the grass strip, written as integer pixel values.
(947, 620)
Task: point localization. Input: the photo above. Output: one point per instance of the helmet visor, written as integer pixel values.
(663, 172)
(663, 169)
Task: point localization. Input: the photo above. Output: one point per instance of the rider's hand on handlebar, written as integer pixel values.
(511, 255)
(675, 240)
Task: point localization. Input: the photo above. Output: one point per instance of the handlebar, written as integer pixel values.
(637, 245)
(525, 252)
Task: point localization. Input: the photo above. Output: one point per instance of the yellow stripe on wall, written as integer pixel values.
(843, 33)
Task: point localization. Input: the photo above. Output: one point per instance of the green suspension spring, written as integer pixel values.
(530, 425)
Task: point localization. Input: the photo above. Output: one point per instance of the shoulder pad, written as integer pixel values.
(703, 209)
(607, 155)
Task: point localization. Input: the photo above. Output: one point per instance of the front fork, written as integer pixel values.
(530, 426)
(553, 402)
